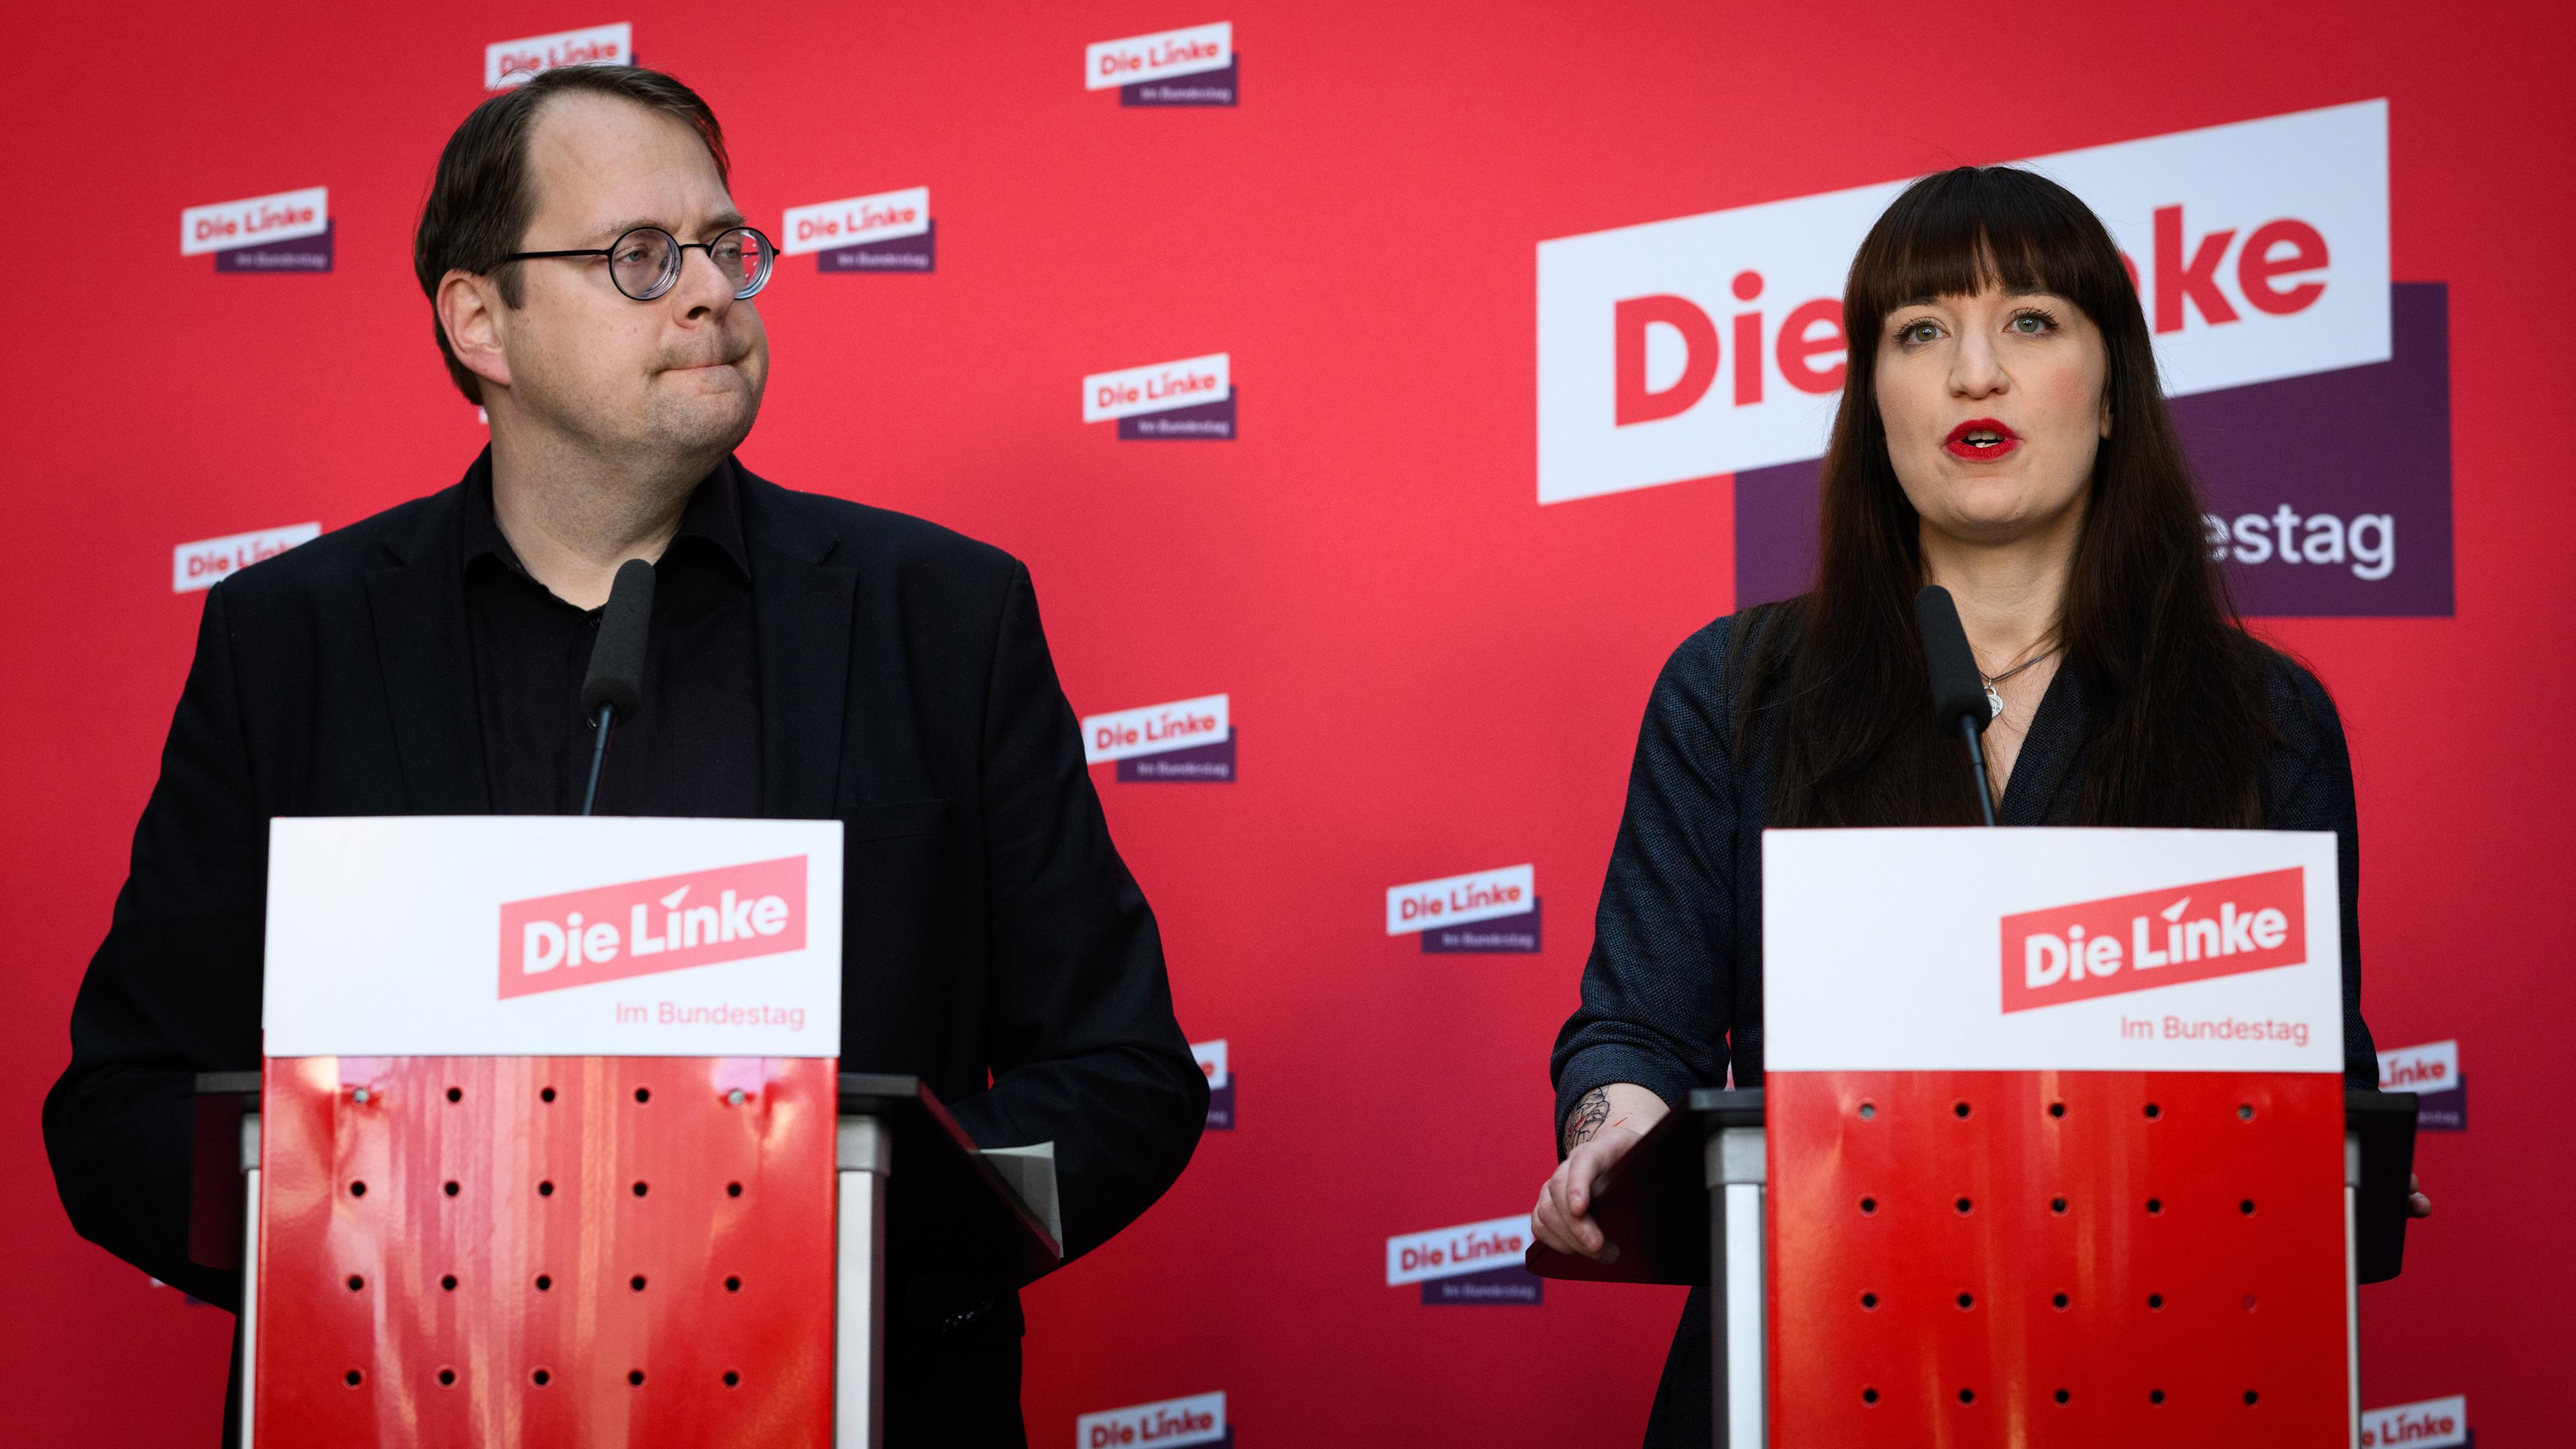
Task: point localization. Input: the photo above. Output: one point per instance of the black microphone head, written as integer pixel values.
(1958, 688)
(616, 677)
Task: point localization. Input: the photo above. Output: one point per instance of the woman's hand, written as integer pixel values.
(1604, 1124)
(2417, 1204)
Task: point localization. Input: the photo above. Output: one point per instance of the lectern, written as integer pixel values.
(550, 1144)
(2052, 1147)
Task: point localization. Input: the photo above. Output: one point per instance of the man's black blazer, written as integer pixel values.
(905, 689)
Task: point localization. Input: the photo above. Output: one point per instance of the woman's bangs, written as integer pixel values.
(1960, 232)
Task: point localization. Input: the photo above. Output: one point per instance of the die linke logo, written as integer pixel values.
(2432, 1071)
(1211, 1057)
(2155, 938)
(1471, 1264)
(1186, 741)
(1192, 398)
(516, 62)
(286, 232)
(670, 923)
(2425, 1425)
(890, 231)
(205, 563)
(1192, 67)
(1485, 911)
(2311, 391)
(1198, 1419)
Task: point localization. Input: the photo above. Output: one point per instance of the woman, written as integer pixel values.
(2001, 434)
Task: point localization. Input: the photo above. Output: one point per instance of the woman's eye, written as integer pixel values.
(2031, 324)
(1913, 332)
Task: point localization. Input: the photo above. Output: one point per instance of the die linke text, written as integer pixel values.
(1492, 1246)
(1470, 897)
(2216, 928)
(1158, 388)
(260, 221)
(1162, 728)
(856, 221)
(574, 52)
(1157, 1426)
(1162, 55)
(665, 924)
(2277, 272)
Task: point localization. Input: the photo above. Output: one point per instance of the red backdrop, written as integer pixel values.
(1432, 673)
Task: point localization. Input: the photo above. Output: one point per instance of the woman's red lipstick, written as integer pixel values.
(1981, 440)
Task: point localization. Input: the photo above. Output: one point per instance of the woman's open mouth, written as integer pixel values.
(1981, 440)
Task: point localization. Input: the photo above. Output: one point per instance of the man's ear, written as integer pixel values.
(470, 308)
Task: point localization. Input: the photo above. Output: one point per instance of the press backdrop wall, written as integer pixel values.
(1429, 672)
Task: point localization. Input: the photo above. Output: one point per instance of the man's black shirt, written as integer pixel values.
(692, 747)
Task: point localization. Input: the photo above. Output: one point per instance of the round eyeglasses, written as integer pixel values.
(645, 262)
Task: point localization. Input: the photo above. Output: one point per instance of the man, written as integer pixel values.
(808, 657)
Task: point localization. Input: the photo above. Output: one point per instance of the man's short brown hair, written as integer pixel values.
(481, 200)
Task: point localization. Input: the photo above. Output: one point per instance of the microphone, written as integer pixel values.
(615, 684)
(1958, 688)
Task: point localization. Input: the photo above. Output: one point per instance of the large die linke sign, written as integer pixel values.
(641, 927)
(2155, 938)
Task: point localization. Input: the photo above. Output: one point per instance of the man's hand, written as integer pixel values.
(2417, 1204)
(1605, 1123)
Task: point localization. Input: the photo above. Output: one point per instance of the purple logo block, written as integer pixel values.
(1221, 1106)
(894, 254)
(1503, 935)
(2444, 1111)
(1206, 88)
(1207, 421)
(1510, 1286)
(1201, 764)
(302, 254)
(2329, 495)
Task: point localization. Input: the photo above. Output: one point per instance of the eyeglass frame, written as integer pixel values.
(679, 249)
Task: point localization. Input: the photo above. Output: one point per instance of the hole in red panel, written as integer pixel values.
(456, 1094)
(733, 1285)
(1869, 1300)
(1967, 1301)
(635, 1377)
(1967, 1396)
(451, 1189)
(547, 1095)
(2252, 1303)
(2251, 1396)
(541, 1378)
(2057, 1204)
(2246, 1207)
(447, 1378)
(636, 1282)
(2059, 1301)
(2244, 1111)
(2154, 1111)
(733, 1189)
(357, 1189)
(1965, 1205)
(1869, 1396)
(2155, 1205)
(352, 1378)
(356, 1282)
(640, 1189)
(731, 1378)
(448, 1282)
(545, 1189)
(1868, 1205)
(1961, 1108)
(2155, 1396)
(2057, 1109)
(544, 1282)
(2155, 1300)
(1868, 1110)
(2061, 1396)
(643, 1094)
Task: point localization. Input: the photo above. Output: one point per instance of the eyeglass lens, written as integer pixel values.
(646, 261)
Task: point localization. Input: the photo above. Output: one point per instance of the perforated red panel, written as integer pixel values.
(2159, 1262)
(456, 1259)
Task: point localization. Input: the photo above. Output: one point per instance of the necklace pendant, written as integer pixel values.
(1994, 702)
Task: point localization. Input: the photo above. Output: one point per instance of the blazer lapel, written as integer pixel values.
(802, 608)
(418, 604)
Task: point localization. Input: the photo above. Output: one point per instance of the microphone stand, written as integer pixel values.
(1967, 730)
(608, 714)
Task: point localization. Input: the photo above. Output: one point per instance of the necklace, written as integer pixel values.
(1994, 700)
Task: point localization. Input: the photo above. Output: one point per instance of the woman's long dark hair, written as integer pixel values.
(2173, 687)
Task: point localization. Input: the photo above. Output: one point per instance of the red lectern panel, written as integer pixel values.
(2044, 1258)
(543, 1251)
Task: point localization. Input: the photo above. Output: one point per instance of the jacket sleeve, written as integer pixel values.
(172, 991)
(1658, 986)
(2308, 786)
(1086, 1050)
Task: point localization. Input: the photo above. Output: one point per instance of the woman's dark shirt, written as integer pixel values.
(1672, 995)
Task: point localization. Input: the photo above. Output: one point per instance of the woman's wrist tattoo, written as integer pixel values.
(1584, 1122)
